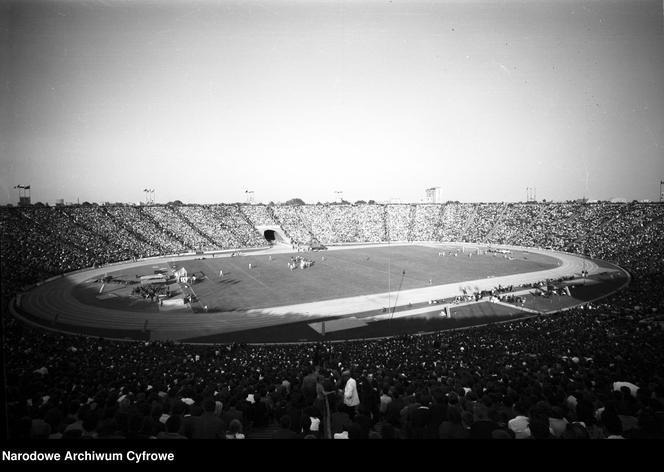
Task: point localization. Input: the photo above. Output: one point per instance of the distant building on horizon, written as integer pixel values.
(432, 195)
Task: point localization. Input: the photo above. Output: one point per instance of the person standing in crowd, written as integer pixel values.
(351, 397)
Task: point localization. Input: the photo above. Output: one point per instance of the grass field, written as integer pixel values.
(343, 273)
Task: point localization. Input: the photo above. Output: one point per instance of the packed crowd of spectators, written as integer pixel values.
(487, 216)
(240, 225)
(31, 253)
(289, 218)
(316, 219)
(371, 223)
(172, 222)
(222, 226)
(517, 222)
(58, 224)
(424, 223)
(454, 221)
(260, 215)
(143, 228)
(341, 230)
(590, 372)
(116, 236)
(622, 225)
(586, 373)
(399, 221)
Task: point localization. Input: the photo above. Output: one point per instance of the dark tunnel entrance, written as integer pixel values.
(269, 235)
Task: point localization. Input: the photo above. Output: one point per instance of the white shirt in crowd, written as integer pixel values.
(350, 393)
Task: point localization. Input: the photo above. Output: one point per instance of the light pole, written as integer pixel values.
(389, 276)
(149, 198)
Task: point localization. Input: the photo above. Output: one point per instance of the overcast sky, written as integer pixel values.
(379, 99)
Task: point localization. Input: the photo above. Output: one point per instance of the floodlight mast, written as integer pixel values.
(149, 198)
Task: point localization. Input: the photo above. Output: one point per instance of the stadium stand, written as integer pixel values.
(591, 372)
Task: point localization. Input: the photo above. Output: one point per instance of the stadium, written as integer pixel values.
(290, 219)
(219, 293)
(459, 274)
